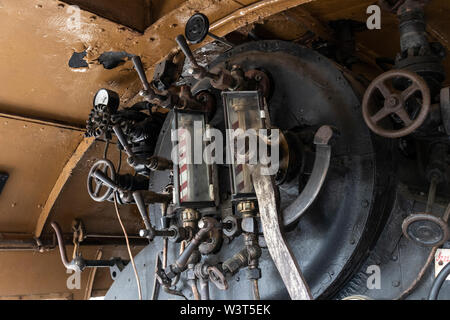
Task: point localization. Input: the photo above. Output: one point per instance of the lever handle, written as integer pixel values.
(123, 141)
(105, 180)
(137, 196)
(137, 62)
(182, 43)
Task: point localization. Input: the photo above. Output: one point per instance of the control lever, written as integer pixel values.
(182, 43)
(138, 66)
(78, 264)
(222, 81)
(137, 196)
(148, 92)
(123, 140)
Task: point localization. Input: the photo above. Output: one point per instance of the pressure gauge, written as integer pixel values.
(105, 97)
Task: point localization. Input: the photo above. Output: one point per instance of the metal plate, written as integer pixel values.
(336, 232)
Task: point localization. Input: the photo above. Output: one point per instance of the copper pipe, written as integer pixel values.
(194, 288)
(256, 295)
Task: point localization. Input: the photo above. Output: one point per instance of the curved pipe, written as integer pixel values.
(62, 247)
(206, 225)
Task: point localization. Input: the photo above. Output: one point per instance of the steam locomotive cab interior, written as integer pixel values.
(264, 150)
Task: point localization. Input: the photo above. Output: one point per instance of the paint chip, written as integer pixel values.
(77, 60)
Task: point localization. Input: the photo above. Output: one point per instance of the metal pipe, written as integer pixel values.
(110, 236)
(62, 247)
(7, 245)
(208, 224)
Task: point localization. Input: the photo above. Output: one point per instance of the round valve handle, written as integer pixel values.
(94, 191)
(394, 103)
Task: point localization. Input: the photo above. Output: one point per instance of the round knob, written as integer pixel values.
(197, 28)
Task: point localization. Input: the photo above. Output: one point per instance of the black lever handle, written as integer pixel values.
(137, 62)
(123, 141)
(182, 43)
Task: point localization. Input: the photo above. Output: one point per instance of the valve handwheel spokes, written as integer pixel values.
(94, 185)
(395, 103)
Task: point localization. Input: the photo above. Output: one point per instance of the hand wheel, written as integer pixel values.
(95, 192)
(395, 103)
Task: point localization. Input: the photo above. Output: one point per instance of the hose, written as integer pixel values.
(438, 282)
